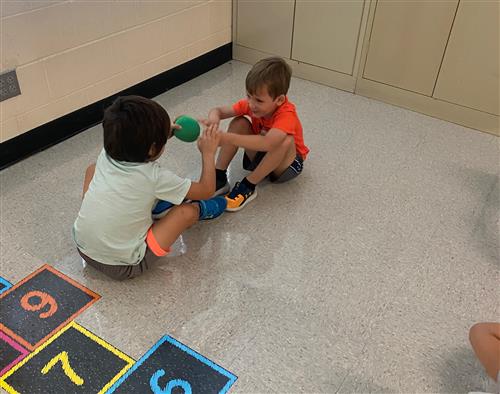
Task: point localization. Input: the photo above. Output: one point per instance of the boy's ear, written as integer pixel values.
(173, 127)
(152, 151)
(280, 99)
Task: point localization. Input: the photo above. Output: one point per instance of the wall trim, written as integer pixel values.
(429, 106)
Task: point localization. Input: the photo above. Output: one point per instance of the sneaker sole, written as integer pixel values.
(222, 191)
(210, 219)
(252, 197)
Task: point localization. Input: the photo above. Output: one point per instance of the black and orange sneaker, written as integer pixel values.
(239, 197)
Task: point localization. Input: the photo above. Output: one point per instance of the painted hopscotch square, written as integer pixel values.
(33, 309)
(74, 360)
(170, 364)
(4, 285)
(10, 353)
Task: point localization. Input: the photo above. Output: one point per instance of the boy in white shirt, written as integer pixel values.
(114, 231)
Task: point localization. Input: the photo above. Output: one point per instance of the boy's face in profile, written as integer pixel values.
(262, 104)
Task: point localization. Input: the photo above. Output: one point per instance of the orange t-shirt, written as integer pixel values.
(284, 118)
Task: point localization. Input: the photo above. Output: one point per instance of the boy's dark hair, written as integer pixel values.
(132, 124)
(273, 72)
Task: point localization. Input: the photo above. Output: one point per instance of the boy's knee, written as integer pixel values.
(240, 125)
(287, 143)
(190, 212)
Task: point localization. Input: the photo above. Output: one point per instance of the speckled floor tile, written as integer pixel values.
(362, 275)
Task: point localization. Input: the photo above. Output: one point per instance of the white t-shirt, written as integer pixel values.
(115, 215)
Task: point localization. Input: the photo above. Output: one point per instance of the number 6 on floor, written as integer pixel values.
(153, 383)
(45, 299)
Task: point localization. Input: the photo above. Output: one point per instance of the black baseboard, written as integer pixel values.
(49, 134)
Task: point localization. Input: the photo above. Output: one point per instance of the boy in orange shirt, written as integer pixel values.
(266, 125)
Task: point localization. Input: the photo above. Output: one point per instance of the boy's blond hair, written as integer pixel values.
(273, 72)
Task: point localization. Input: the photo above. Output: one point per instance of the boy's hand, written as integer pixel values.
(213, 119)
(174, 127)
(209, 140)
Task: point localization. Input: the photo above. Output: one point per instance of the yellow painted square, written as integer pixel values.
(85, 332)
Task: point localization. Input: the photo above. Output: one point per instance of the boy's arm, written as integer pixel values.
(89, 174)
(215, 115)
(257, 143)
(207, 144)
(205, 187)
(485, 340)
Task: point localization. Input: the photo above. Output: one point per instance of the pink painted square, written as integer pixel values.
(11, 353)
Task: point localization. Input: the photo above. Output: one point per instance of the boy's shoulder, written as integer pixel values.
(286, 109)
(289, 106)
(241, 106)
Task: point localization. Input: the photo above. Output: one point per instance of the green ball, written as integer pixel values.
(190, 129)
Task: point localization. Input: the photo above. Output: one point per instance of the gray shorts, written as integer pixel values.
(122, 272)
(291, 172)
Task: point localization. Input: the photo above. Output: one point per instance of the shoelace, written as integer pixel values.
(235, 192)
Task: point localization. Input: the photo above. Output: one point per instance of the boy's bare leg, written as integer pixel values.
(485, 340)
(275, 161)
(89, 174)
(239, 125)
(174, 223)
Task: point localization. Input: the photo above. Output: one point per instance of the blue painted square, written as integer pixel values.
(171, 367)
(4, 285)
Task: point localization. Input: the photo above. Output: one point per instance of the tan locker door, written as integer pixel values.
(265, 25)
(326, 33)
(407, 43)
(469, 74)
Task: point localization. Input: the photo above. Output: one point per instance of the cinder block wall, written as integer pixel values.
(69, 54)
